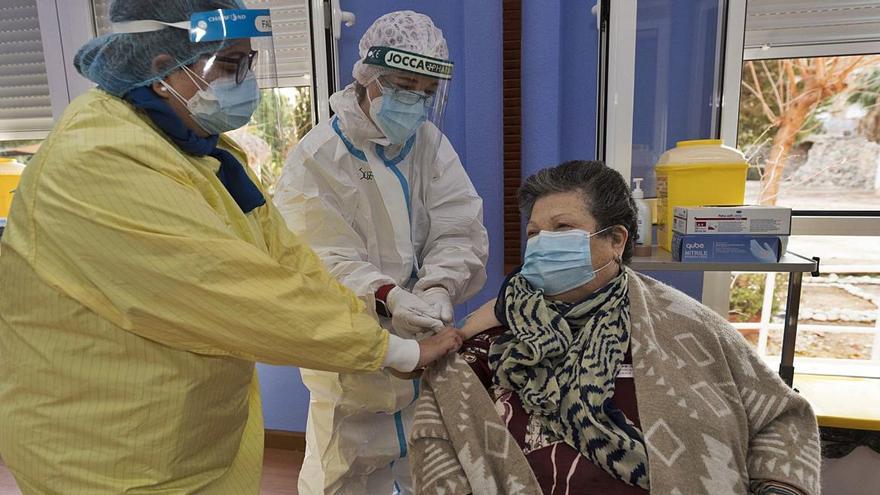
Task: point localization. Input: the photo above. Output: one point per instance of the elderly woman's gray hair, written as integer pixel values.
(606, 194)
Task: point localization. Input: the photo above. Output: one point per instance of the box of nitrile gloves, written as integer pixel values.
(732, 220)
(704, 248)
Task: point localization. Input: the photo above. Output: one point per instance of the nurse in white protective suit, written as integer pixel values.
(380, 194)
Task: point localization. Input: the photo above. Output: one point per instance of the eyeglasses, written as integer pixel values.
(244, 63)
(405, 96)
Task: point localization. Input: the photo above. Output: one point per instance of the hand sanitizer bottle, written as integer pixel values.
(643, 232)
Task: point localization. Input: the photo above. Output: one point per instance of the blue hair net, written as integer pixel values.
(120, 62)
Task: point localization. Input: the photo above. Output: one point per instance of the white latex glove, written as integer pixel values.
(410, 315)
(438, 298)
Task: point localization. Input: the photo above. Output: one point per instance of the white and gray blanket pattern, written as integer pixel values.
(459, 445)
(715, 417)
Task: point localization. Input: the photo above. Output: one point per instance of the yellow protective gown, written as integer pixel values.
(136, 298)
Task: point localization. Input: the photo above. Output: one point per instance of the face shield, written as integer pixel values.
(235, 59)
(413, 93)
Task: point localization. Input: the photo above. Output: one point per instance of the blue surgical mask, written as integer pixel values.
(397, 120)
(224, 105)
(557, 262)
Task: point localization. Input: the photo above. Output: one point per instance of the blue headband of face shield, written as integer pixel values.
(212, 25)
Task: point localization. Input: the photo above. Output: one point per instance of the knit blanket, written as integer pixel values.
(715, 418)
(458, 444)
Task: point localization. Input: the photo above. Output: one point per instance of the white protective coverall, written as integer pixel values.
(374, 222)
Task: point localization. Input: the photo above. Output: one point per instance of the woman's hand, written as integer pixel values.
(432, 349)
(479, 321)
(435, 347)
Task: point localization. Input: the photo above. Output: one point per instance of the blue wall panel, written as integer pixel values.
(541, 86)
(579, 69)
(559, 80)
(285, 398)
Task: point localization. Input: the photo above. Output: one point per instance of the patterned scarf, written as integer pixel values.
(562, 360)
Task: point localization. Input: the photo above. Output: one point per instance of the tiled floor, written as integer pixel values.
(280, 470)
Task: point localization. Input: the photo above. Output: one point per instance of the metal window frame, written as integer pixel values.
(617, 67)
(731, 77)
(661, 117)
(836, 225)
(716, 288)
(325, 73)
(812, 50)
(66, 25)
(864, 223)
(725, 122)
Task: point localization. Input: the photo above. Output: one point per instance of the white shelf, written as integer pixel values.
(661, 260)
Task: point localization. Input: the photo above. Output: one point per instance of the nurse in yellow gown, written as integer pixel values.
(144, 273)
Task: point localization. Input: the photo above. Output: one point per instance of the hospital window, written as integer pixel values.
(37, 78)
(282, 119)
(809, 124)
(285, 113)
(25, 105)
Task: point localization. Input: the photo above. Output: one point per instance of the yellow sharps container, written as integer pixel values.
(10, 173)
(697, 173)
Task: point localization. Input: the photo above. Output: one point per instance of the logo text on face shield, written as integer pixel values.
(220, 25)
(405, 61)
(394, 58)
(234, 17)
(414, 64)
(263, 24)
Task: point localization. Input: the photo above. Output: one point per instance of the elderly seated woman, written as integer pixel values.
(589, 378)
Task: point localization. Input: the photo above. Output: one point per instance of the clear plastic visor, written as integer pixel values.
(411, 84)
(237, 44)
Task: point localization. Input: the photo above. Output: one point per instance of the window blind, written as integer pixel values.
(780, 23)
(25, 104)
(291, 37)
